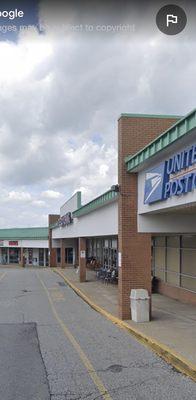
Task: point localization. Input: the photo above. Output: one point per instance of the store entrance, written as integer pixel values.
(4, 256)
(14, 256)
(69, 255)
(102, 256)
(41, 257)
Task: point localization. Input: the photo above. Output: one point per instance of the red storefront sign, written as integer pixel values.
(13, 242)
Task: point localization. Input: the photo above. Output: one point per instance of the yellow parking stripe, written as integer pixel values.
(2, 276)
(103, 391)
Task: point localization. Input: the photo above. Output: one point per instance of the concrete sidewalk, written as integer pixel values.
(173, 323)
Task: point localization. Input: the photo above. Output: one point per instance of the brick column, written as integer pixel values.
(82, 259)
(135, 271)
(52, 219)
(21, 257)
(77, 252)
(62, 254)
(52, 258)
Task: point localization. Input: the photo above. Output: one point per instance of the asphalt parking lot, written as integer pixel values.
(54, 346)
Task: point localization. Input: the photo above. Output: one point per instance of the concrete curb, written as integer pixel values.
(176, 360)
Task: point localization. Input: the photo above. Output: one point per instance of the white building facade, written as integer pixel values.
(24, 246)
(96, 221)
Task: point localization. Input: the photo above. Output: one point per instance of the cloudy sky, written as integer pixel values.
(62, 89)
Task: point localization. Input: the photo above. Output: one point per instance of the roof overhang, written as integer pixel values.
(100, 201)
(178, 134)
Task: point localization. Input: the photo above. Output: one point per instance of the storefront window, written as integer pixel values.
(105, 257)
(159, 257)
(114, 258)
(98, 250)
(47, 258)
(104, 251)
(89, 248)
(69, 255)
(114, 243)
(30, 256)
(58, 255)
(189, 283)
(41, 257)
(188, 269)
(174, 259)
(4, 256)
(106, 243)
(159, 241)
(14, 256)
(94, 248)
(189, 242)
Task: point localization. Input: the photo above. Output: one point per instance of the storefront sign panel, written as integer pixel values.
(65, 219)
(13, 242)
(174, 177)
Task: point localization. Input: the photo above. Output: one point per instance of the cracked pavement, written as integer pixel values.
(126, 368)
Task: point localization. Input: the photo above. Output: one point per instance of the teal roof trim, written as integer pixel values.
(24, 233)
(128, 115)
(181, 128)
(98, 202)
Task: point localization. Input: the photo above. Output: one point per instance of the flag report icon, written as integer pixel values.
(171, 19)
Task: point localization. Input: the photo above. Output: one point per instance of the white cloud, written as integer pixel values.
(60, 99)
(103, 169)
(38, 203)
(51, 194)
(19, 61)
(19, 196)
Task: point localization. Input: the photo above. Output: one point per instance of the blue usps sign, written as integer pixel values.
(175, 176)
(154, 184)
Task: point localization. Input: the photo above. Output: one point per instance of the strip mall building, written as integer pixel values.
(145, 226)
(147, 223)
(24, 247)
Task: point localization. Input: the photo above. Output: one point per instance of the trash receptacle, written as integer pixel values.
(139, 302)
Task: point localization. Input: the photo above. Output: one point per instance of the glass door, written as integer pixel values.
(41, 257)
(14, 254)
(69, 255)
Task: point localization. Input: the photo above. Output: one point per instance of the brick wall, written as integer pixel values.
(63, 263)
(133, 134)
(52, 219)
(176, 293)
(82, 260)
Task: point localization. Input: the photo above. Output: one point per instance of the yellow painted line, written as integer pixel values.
(170, 356)
(56, 296)
(2, 276)
(102, 390)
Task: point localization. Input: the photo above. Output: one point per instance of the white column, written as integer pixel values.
(74, 255)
